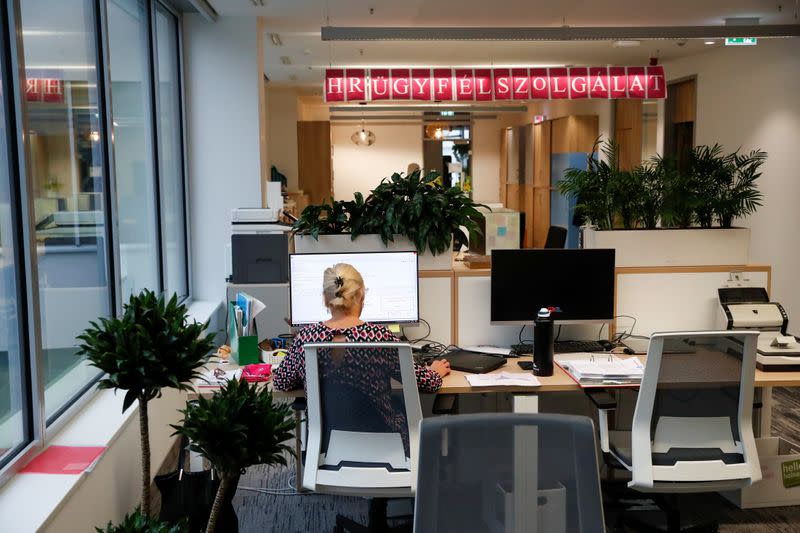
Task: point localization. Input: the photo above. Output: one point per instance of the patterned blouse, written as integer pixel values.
(291, 374)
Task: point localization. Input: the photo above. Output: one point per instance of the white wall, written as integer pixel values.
(486, 135)
(282, 133)
(361, 168)
(747, 96)
(221, 69)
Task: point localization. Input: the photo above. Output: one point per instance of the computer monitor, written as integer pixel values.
(390, 278)
(579, 282)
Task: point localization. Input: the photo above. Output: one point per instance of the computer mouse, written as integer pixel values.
(607, 345)
(628, 351)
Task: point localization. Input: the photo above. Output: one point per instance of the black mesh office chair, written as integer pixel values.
(556, 237)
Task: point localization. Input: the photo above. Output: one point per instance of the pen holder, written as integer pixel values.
(244, 348)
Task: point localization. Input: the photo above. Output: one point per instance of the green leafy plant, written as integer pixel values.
(419, 207)
(237, 427)
(708, 168)
(736, 192)
(593, 187)
(323, 219)
(139, 522)
(680, 194)
(150, 347)
(650, 197)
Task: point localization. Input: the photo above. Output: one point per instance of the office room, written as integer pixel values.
(350, 265)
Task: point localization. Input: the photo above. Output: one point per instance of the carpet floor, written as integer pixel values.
(278, 509)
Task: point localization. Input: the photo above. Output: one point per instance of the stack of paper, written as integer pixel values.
(616, 369)
(503, 379)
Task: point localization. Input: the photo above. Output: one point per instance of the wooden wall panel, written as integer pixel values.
(685, 95)
(541, 216)
(575, 133)
(541, 154)
(628, 132)
(503, 166)
(513, 194)
(314, 165)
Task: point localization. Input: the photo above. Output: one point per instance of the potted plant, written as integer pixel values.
(151, 346)
(139, 522)
(655, 195)
(237, 427)
(401, 213)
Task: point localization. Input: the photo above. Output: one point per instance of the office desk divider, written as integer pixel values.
(244, 348)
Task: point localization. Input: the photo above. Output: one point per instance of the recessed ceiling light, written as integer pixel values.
(711, 42)
(276, 39)
(286, 60)
(626, 44)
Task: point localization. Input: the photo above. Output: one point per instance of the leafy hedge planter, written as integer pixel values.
(673, 247)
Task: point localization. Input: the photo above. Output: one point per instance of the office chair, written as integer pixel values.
(556, 237)
(692, 430)
(363, 425)
(508, 472)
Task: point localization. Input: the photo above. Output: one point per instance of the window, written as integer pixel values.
(14, 431)
(134, 163)
(67, 167)
(171, 153)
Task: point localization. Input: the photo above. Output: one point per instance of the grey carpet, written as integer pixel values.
(260, 513)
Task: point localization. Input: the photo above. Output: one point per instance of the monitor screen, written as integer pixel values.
(579, 282)
(390, 278)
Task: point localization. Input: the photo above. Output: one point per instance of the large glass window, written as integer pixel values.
(67, 168)
(170, 152)
(13, 427)
(133, 144)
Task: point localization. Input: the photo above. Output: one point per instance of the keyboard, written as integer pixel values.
(562, 347)
(578, 346)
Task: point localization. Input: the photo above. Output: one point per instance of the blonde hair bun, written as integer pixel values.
(342, 286)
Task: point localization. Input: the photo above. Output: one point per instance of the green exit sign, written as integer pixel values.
(741, 41)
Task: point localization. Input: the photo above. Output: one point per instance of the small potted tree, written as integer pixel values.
(150, 347)
(138, 522)
(237, 427)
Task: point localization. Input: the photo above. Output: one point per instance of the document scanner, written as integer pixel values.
(750, 308)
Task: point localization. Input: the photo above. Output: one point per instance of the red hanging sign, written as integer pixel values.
(464, 84)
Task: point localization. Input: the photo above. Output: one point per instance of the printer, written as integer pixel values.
(750, 308)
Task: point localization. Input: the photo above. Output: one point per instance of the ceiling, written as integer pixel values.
(298, 24)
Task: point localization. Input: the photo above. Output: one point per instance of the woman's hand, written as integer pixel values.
(441, 367)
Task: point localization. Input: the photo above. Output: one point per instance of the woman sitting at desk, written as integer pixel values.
(343, 290)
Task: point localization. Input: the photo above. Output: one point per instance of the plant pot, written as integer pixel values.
(342, 243)
(673, 247)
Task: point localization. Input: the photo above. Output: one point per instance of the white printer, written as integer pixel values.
(750, 308)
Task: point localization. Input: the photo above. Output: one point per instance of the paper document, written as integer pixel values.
(503, 379)
(493, 350)
(604, 369)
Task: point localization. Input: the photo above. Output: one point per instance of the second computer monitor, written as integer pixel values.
(578, 282)
(390, 278)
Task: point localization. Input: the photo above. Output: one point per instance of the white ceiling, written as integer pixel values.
(298, 23)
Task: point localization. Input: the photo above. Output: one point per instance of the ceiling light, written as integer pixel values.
(711, 42)
(561, 33)
(276, 39)
(626, 44)
(94, 136)
(286, 60)
(363, 137)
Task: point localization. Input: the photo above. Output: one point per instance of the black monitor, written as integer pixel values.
(579, 282)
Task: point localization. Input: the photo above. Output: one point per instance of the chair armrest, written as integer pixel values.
(604, 402)
(601, 399)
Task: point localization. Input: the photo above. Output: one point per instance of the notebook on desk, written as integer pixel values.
(473, 362)
(603, 370)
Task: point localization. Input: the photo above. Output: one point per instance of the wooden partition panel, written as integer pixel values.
(575, 133)
(628, 132)
(314, 166)
(540, 205)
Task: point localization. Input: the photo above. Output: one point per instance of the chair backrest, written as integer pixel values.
(556, 237)
(692, 429)
(363, 418)
(510, 473)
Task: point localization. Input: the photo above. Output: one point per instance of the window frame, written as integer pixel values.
(39, 428)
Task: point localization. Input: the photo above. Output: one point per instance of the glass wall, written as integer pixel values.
(66, 161)
(171, 152)
(13, 428)
(133, 144)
